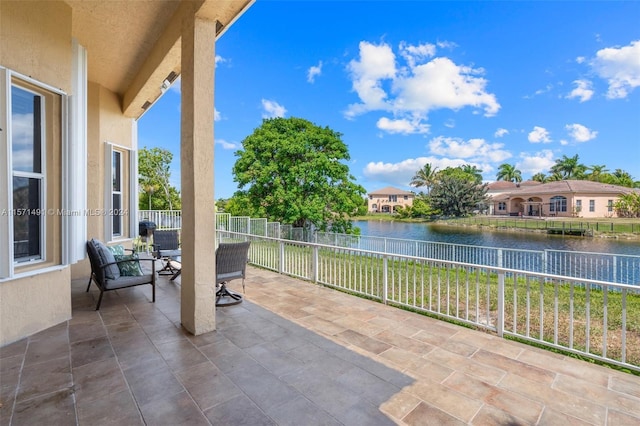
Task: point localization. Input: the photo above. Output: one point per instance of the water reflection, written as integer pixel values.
(505, 239)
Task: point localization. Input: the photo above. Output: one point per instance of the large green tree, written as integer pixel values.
(509, 172)
(295, 172)
(457, 193)
(154, 174)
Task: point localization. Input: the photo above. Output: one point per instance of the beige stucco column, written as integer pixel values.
(196, 165)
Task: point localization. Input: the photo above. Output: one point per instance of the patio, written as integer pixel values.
(293, 353)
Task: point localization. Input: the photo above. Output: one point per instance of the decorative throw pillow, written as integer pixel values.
(117, 249)
(111, 272)
(131, 268)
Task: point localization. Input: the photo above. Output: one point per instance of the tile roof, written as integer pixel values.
(572, 186)
(390, 190)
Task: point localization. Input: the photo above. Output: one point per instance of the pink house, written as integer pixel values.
(566, 198)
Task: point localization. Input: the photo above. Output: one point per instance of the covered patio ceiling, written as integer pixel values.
(134, 45)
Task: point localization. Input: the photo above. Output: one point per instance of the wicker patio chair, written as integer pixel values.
(231, 264)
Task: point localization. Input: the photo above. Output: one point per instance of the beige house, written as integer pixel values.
(387, 200)
(567, 198)
(74, 78)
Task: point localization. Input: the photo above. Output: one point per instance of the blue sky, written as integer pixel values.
(415, 82)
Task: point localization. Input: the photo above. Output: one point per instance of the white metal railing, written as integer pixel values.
(617, 268)
(163, 219)
(594, 318)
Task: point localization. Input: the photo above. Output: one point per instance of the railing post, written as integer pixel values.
(385, 279)
(500, 316)
(499, 260)
(314, 265)
(281, 257)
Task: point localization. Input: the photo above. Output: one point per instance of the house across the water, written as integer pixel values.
(566, 198)
(387, 200)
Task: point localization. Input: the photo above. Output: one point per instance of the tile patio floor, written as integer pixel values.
(293, 354)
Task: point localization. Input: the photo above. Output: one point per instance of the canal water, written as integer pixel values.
(504, 239)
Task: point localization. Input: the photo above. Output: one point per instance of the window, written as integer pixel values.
(502, 206)
(393, 198)
(578, 205)
(116, 193)
(371, 197)
(120, 192)
(610, 206)
(592, 205)
(27, 173)
(558, 204)
(406, 197)
(30, 175)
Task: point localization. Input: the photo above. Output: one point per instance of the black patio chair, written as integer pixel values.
(166, 247)
(231, 264)
(106, 273)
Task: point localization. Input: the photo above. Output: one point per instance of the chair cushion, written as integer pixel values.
(123, 282)
(111, 272)
(131, 268)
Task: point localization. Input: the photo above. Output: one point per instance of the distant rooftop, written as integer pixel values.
(390, 190)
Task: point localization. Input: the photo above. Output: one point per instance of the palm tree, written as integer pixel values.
(509, 173)
(623, 178)
(475, 172)
(539, 177)
(597, 172)
(569, 168)
(426, 177)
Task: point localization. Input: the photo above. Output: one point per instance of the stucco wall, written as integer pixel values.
(35, 40)
(34, 303)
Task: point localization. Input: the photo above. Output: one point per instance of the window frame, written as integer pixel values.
(558, 204)
(50, 258)
(128, 193)
(40, 176)
(592, 206)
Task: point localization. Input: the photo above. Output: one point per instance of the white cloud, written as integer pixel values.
(228, 145)
(220, 60)
(539, 162)
(425, 84)
(501, 132)
(216, 115)
(377, 62)
(402, 172)
(314, 71)
(564, 142)
(272, 109)
(413, 53)
(580, 133)
(402, 126)
(539, 135)
(476, 150)
(583, 90)
(620, 67)
(581, 59)
(441, 83)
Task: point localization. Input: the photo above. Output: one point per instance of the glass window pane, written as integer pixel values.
(115, 171)
(26, 218)
(26, 137)
(117, 218)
